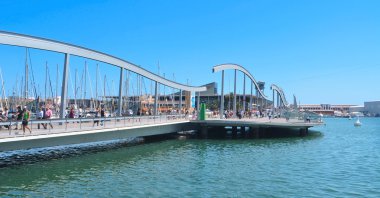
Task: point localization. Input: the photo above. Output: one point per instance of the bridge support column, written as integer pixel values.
(120, 104)
(234, 103)
(180, 102)
(262, 132)
(243, 131)
(259, 101)
(221, 110)
(234, 131)
(257, 98)
(217, 132)
(204, 131)
(64, 86)
(198, 101)
(254, 132)
(273, 99)
(304, 131)
(265, 102)
(251, 98)
(244, 94)
(155, 110)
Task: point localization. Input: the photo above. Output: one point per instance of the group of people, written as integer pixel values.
(22, 116)
(4, 117)
(244, 114)
(44, 113)
(99, 112)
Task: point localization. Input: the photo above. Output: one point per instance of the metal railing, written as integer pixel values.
(306, 116)
(54, 126)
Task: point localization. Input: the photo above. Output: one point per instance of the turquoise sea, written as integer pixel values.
(336, 160)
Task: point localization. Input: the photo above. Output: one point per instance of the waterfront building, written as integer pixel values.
(372, 108)
(328, 109)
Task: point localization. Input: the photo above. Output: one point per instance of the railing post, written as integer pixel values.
(10, 128)
(50, 126)
(31, 124)
(221, 110)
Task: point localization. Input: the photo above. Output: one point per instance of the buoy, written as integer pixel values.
(357, 123)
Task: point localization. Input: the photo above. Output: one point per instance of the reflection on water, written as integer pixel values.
(336, 160)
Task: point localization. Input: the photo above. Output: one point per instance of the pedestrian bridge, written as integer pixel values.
(65, 131)
(77, 131)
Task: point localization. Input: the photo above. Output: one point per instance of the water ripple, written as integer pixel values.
(338, 161)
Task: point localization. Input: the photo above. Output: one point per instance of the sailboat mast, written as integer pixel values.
(173, 95)
(85, 85)
(46, 76)
(15, 101)
(26, 73)
(75, 87)
(158, 88)
(104, 90)
(21, 93)
(96, 86)
(56, 89)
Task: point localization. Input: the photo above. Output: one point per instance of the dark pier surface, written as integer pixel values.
(251, 127)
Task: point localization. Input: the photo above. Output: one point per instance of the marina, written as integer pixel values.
(189, 99)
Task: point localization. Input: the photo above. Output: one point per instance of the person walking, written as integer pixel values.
(48, 115)
(18, 116)
(40, 116)
(102, 115)
(25, 120)
(5, 117)
(71, 113)
(5, 112)
(96, 120)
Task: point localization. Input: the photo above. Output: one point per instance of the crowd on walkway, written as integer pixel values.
(246, 114)
(21, 117)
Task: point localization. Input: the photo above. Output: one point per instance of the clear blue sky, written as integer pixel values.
(325, 51)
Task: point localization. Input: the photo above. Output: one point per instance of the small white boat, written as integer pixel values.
(357, 123)
(349, 117)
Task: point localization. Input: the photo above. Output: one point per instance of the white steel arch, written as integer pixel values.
(281, 93)
(9, 38)
(242, 69)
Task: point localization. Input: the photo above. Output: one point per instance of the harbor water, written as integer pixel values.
(336, 160)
